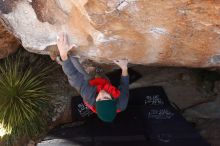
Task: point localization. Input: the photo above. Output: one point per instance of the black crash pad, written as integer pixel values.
(149, 120)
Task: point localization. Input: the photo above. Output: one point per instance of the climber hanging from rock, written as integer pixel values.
(98, 94)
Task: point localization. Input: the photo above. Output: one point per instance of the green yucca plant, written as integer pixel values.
(24, 97)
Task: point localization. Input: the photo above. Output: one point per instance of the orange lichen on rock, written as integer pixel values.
(8, 43)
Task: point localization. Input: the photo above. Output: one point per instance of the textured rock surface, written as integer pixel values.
(152, 32)
(8, 43)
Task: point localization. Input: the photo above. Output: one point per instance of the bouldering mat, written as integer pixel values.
(149, 120)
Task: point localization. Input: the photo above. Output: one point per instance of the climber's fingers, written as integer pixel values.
(116, 61)
(125, 60)
(122, 63)
(73, 46)
(60, 39)
(64, 38)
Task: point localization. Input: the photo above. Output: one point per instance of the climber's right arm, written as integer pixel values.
(75, 78)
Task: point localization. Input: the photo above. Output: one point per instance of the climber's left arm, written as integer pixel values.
(122, 101)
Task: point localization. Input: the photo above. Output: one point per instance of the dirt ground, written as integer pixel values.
(194, 91)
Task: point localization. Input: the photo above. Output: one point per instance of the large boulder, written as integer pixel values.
(150, 32)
